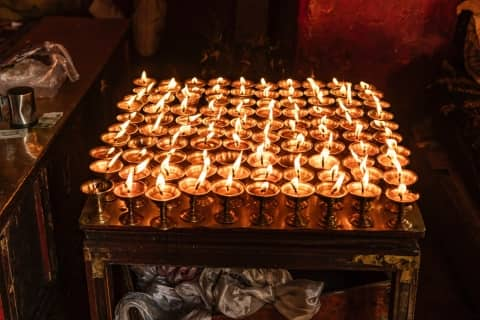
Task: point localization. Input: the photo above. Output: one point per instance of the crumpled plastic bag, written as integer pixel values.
(44, 68)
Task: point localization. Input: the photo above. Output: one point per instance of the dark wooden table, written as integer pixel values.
(39, 242)
(243, 245)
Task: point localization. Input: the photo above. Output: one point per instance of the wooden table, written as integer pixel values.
(39, 172)
(243, 245)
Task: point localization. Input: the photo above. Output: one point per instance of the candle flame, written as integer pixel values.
(324, 155)
(239, 107)
(211, 105)
(238, 126)
(263, 82)
(365, 179)
(165, 165)
(209, 136)
(392, 144)
(363, 164)
(319, 94)
(264, 187)
(292, 124)
(388, 132)
(172, 84)
(236, 138)
(296, 112)
(355, 156)
(132, 115)
(123, 129)
(330, 140)
(266, 91)
(312, 83)
(291, 91)
(142, 165)
(289, 82)
(348, 117)
(229, 181)
(334, 172)
(219, 79)
(205, 156)
(266, 130)
(159, 119)
(142, 152)
(322, 128)
(242, 81)
(161, 102)
(174, 138)
(358, 130)
(216, 88)
(194, 80)
(377, 105)
(237, 163)
(397, 165)
(129, 181)
(338, 184)
(269, 170)
(242, 90)
(143, 76)
(335, 81)
(295, 183)
(349, 93)
(343, 90)
(296, 164)
(259, 152)
(342, 106)
(184, 104)
(364, 85)
(201, 177)
(130, 101)
(402, 189)
(186, 91)
(150, 87)
(113, 160)
(160, 182)
(110, 151)
(300, 140)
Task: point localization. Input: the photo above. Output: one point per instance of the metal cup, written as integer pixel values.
(22, 107)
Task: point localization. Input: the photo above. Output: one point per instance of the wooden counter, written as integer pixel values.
(39, 171)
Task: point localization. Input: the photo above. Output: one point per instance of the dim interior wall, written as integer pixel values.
(396, 43)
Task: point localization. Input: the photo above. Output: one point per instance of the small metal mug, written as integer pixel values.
(22, 107)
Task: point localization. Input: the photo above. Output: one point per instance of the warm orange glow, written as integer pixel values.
(264, 187)
(260, 150)
(330, 140)
(174, 138)
(348, 117)
(364, 85)
(194, 117)
(143, 76)
(324, 154)
(216, 88)
(313, 85)
(402, 189)
(238, 126)
(338, 184)
(342, 105)
(378, 106)
(358, 130)
(123, 129)
(149, 87)
(242, 81)
(266, 130)
(143, 152)
(289, 82)
(365, 179)
(291, 91)
(355, 156)
(296, 112)
(229, 181)
(129, 181)
(263, 82)
(335, 81)
(237, 163)
(172, 84)
(292, 124)
(165, 165)
(211, 105)
(113, 160)
(161, 102)
(319, 94)
(349, 93)
(159, 119)
(300, 139)
(322, 128)
(269, 170)
(110, 151)
(388, 132)
(236, 138)
(194, 80)
(391, 143)
(295, 183)
(334, 171)
(184, 104)
(397, 165)
(239, 107)
(363, 164)
(266, 91)
(160, 182)
(142, 165)
(210, 135)
(131, 100)
(201, 177)
(242, 90)
(296, 163)
(343, 90)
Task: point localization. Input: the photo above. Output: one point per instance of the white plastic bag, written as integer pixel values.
(44, 68)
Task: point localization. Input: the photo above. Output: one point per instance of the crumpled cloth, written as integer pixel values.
(234, 292)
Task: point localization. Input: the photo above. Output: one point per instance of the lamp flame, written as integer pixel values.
(242, 90)
(291, 91)
(150, 87)
(364, 85)
(159, 119)
(335, 81)
(237, 163)
(402, 189)
(264, 187)
(129, 181)
(201, 177)
(289, 82)
(358, 130)
(263, 82)
(113, 160)
(143, 76)
(295, 183)
(142, 166)
(239, 107)
(343, 90)
(242, 81)
(165, 165)
(172, 84)
(296, 164)
(266, 91)
(300, 140)
(160, 183)
(378, 106)
(312, 83)
(348, 117)
(364, 182)
(293, 125)
(229, 181)
(184, 104)
(338, 184)
(334, 172)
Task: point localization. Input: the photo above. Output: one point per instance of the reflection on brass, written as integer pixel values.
(407, 265)
(97, 261)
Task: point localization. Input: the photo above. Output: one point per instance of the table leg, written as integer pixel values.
(98, 279)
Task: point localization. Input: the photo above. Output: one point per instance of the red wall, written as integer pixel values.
(372, 40)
